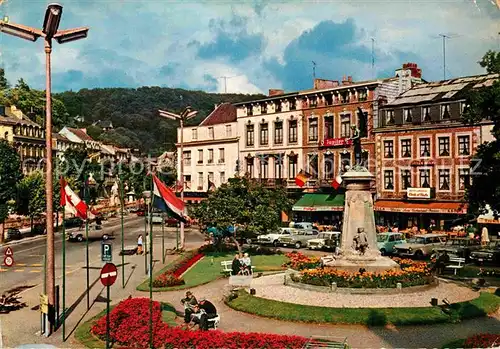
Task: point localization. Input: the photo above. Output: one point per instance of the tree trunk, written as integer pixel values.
(237, 244)
(2, 224)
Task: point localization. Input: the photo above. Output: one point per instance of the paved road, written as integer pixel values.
(28, 256)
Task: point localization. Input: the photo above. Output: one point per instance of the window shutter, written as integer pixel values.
(416, 114)
(454, 111)
(435, 113)
(398, 116)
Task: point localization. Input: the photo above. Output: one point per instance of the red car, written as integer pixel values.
(141, 213)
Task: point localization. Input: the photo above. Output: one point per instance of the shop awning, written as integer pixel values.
(420, 207)
(320, 202)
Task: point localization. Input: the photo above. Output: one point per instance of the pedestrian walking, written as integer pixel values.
(139, 244)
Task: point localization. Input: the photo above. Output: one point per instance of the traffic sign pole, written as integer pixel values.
(109, 273)
(107, 317)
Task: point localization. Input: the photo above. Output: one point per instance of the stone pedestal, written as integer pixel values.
(358, 214)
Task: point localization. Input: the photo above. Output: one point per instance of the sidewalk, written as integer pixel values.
(23, 326)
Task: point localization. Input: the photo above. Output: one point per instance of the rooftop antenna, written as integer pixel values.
(225, 80)
(444, 37)
(314, 70)
(373, 58)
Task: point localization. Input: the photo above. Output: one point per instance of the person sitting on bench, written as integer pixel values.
(236, 265)
(189, 302)
(208, 311)
(246, 264)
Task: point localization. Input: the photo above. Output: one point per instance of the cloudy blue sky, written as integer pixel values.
(257, 44)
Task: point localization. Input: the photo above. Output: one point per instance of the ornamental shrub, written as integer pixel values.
(483, 340)
(167, 280)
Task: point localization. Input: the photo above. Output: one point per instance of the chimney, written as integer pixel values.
(349, 78)
(322, 83)
(345, 80)
(275, 92)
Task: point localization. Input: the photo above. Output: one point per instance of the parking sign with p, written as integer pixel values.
(106, 252)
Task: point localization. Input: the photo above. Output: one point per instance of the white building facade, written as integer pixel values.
(210, 151)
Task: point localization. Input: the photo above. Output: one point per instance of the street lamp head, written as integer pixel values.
(52, 20)
(20, 31)
(63, 36)
(168, 115)
(191, 114)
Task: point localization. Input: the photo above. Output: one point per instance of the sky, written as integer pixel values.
(249, 46)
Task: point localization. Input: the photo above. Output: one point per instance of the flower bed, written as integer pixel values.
(172, 277)
(299, 261)
(412, 273)
(130, 328)
(482, 340)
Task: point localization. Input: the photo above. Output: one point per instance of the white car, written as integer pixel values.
(325, 240)
(272, 238)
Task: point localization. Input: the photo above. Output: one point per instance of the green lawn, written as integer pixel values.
(486, 303)
(209, 269)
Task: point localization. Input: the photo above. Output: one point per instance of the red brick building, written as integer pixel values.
(423, 152)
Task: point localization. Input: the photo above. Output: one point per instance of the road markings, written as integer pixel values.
(19, 270)
(37, 265)
(35, 271)
(21, 264)
(2, 270)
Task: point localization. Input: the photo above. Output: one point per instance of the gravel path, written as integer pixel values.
(271, 287)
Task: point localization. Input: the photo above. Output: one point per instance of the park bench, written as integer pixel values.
(214, 322)
(326, 342)
(227, 267)
(457, 263)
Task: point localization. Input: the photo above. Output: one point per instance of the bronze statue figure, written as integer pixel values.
(356, 142)
(360, 241)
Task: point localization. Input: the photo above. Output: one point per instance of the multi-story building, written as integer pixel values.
(61, 144)
(271, 134)
(210, 152)
(423, 152)
(79, 135)
(27, 137)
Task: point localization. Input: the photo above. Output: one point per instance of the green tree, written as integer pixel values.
(484, 104)
(4, 84)
(10, 174)
(31, 195)
(244, 203)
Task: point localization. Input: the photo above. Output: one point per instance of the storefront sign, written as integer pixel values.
(423, 163)
(488, 221)
(418, 193)
(336, 142)
(317, 208)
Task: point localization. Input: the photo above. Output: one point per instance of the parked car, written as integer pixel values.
(387, 241)
(141, 212)
(421, 245)
(489, 254)
(273, 238)
(94, 234)
(73, 222)
(157, 218)
(301, 225)
(461, 247)
(39, 229)
(13, 234)
(327, 240)
(299, 239)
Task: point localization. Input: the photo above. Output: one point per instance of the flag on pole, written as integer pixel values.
(302, 178)
(337, 181)
(73, 204)
(165, 200)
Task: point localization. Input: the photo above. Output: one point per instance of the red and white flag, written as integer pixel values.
(337, 182)
(72, 203)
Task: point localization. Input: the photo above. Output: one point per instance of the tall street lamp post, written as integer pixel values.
(49, 31)
(186, 114)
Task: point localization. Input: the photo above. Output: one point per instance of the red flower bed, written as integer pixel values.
(130, 328)
(186, 263)
(172, 277)
(482, 340)
(167, 279)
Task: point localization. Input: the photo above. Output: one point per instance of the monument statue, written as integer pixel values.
(356, 142)
(360, 241)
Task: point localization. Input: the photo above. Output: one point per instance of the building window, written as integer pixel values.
(388, 149)
(328, 126)
(210, 156)
(426, 113)
(250, 136)
(292, 131)
(187, 182)
(200, 180)
(292, 104)
(389, 117)
(345, 161)
(345, 126)
(278, 167)
(328, 159)
(250, 169)
(313, 165)
(229, 131)
(264, 168)
(406, 148)
(405, 179)
(222, 177)
(263, 108)
(187, 158)
(211, 132)
(444, 179)
(425, 178)
(6, 135)
(407, 114)
(444, 146)
(211, 178)
(463, 108)
(362, 95)
(264, 134)
(425, 147)
(313, 129)
(194, 134)
(277, 107)
(389, 180)
(249, 110)
(222, 155)
(292, 167)
(278, 132)
(463, 145)
(463, 178)
(200, 156)
(445, 111)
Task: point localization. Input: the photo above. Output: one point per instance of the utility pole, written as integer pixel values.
(444, 36)
(314, 71)
(373, 58)
(225, 80)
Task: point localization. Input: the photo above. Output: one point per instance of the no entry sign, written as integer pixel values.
(108, 274)
(8, 261)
